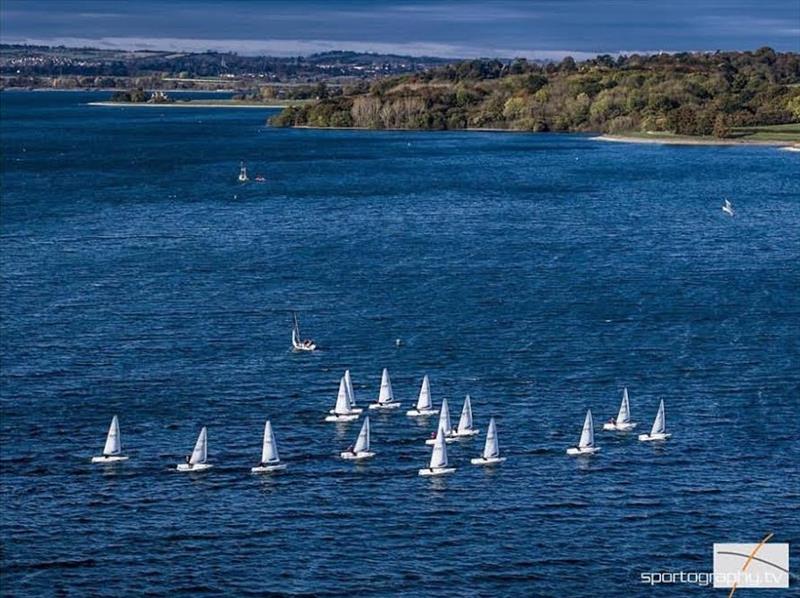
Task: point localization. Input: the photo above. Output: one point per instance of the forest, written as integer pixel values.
(704, 94)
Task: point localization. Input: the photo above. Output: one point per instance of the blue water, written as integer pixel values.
(539, 273)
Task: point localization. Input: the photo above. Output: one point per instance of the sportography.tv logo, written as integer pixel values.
(758, 565)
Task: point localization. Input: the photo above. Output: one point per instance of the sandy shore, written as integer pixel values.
(192, 104)
(688, 140)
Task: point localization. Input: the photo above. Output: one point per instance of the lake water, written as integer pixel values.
(539, 273)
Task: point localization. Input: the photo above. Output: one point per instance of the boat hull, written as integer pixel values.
(653, 437)
(619, 427)
(350, 456)
(489, 461)
(185, 467)
(575, 451)
(309, 349)
(391, 405)
(109, 459)
(465, 433)
(268, 468)
(342, 418)
(353, 411)
(436, 471)
(421, 413)
(447, 439)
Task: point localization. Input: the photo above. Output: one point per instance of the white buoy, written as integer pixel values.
(112, 452)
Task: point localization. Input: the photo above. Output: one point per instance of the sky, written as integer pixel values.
(447, 28)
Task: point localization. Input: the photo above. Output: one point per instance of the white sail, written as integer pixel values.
(200, 451)
(342, 400)
(491, 448)
(444, 418)
(624, 415)
(587, 435)
(424, 401)
(386, 395)
(362, 444)
(269, 450)
(439, 454)
(295, 338)
(465, 421)
(351, 395)
(113, 442)
(660, 424)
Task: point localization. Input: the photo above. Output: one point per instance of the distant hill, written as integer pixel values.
(684, 94)
(22, 65)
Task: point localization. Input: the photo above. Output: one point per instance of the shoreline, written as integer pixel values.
(667, 140)
(189, 104)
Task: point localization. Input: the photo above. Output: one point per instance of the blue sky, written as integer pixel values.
(504, 28)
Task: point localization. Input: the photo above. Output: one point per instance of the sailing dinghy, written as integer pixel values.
(623, 421)
(465, 429)
(659, 429)
(351, 393)
(491, 450)
(112, 452)
(386, 396)
(444, 425)
(361, 448)
(342, 412)
(197, 462)
(424, 403)
(298, 344)
(438, 464)
(270, 461)
(586, 444)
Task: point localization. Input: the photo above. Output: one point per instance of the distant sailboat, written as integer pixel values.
(351, 393)
(465, 428)
(197, 462)
(727, 207)
(270, 461)
(586, 444)
(659, 429)
(444, 425)
(424, 403)
(361, 448)
(112, 452)
(243, 178)
(298, 344)
(386, 396)
(342, 412)
(438, 463)
(491, 450)
(623, 421)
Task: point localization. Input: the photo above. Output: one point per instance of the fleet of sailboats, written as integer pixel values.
(345, 410)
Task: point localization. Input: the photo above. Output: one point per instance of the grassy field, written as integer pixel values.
(757, 134)
(789, 133)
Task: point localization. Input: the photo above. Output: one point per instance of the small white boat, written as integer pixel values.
(586, 443)
(491, 450)
(243, 178)
(112, 452)
(342, 412)
(659, 429)
(623, 421)
(361, 449)
(424, 403)
(727, 207)
(444, 425)
(438, 464)
(351, 393)
(386, 396)
(465, 429)
(197, 462)
(270, 461)
(298, 344)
